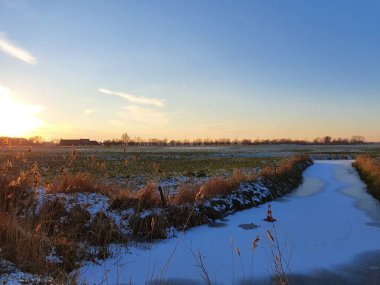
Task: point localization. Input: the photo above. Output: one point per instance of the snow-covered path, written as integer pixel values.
(326, 222)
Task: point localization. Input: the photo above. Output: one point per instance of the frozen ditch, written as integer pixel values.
(327, 222)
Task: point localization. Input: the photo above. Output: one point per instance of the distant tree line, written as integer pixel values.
(327, 140)
(138, 141)
(10, 141)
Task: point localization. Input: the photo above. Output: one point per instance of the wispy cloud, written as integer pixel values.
(144, 115)
(134, 99)
(15, 51)
(89, 111)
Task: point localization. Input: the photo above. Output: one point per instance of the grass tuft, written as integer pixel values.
(78, 183)
(369, 171)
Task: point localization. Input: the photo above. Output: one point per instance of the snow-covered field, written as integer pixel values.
(326, 222)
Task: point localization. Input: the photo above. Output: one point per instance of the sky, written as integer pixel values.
(190, 69)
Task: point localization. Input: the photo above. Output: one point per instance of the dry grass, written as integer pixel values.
(145, 198)
(369, 170)
(27, 239)
(76, 225)
(190, 192)
(284, 167)
(79, 183)
(186, 193)
(18, 245)
(219, 185)
(27, 247)
(223, 185)
(148, 228)
(21, 242)
(184, 216)
(280, 265)
(15, 187)
(123, 200)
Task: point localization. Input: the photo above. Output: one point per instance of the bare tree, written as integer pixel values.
(36, 140)
(125, 137)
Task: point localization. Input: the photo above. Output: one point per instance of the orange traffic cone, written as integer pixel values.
(269, 217)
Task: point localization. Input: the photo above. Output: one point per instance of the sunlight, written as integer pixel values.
(17, 119)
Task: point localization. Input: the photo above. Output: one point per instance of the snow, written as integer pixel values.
(171, 185)
(10, 275)
(326, 222)
(20, 278)
(93, 203)
(53, 258)
(226, 204)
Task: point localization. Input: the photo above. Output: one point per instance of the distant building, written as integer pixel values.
(80, 142)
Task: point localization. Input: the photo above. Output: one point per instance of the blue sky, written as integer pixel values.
(188, 69)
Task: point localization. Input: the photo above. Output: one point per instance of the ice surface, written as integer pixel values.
(322, 224)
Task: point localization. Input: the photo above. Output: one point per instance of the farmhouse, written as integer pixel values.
(80, 142)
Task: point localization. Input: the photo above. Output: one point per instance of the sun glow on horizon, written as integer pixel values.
(17, 119)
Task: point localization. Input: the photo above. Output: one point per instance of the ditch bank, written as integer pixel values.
(368, 168)
(161, 223)
(137, 220)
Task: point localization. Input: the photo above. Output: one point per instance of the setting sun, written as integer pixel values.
(17, 119)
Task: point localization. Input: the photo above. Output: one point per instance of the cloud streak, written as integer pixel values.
(11, 49)
(89, 111)
(144, 115)
(134, 99)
